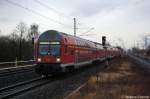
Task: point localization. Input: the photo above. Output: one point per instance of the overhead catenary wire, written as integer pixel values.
(58, 12)
(37, 13)
(85, 33)
(52, 9)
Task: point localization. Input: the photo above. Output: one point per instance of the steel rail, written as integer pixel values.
(18, 84)
(16, 62)
(24, 66)
(142, 62)
(15, 72)
(16, 89)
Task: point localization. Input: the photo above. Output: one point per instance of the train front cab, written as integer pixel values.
(48, 56)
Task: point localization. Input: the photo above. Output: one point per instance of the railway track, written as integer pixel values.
(56, 87)
(143, 63)
(144, 58)
(16, 89)
(11, 71)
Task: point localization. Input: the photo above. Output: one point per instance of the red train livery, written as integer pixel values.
(56, 52)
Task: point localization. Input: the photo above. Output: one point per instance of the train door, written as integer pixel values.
(71, 54)
(76, 51)
(65, 54)
(76, 56)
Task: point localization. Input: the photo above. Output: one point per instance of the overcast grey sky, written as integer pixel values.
(117, 19)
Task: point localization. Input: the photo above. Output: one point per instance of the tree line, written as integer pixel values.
(18, 45)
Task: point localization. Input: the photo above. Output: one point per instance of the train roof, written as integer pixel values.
(51, 35)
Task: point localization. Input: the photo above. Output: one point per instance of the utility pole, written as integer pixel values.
(145, 43)
(138, 45)
(74, 26)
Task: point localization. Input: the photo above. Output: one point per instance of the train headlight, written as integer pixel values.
(57, 59)
(39, 59)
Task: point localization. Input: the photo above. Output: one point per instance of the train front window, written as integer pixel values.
(55, 50)
(43, 49)
(49, 49)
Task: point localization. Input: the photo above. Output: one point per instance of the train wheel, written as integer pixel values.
(70, 68)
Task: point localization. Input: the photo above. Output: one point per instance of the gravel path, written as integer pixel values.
(123, 80)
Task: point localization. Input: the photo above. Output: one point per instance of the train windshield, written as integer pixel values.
(49, 49)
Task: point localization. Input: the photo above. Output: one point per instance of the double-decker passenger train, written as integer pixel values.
(58, 52)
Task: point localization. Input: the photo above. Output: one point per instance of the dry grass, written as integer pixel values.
(120, 81)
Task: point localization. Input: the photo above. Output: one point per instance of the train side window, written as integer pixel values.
(66, 49)
(72, 52)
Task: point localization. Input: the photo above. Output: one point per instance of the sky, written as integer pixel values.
(123, 22)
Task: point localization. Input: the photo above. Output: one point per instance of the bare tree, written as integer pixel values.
(16, 45)
(14, 36)
(122, 43)
(33, 31)
(22, 31)
(146, 44)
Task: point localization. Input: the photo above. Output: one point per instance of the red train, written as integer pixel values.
(58, 52)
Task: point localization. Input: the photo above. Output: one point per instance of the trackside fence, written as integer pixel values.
(16, 63)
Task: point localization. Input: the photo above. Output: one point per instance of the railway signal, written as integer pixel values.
(103, 40)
